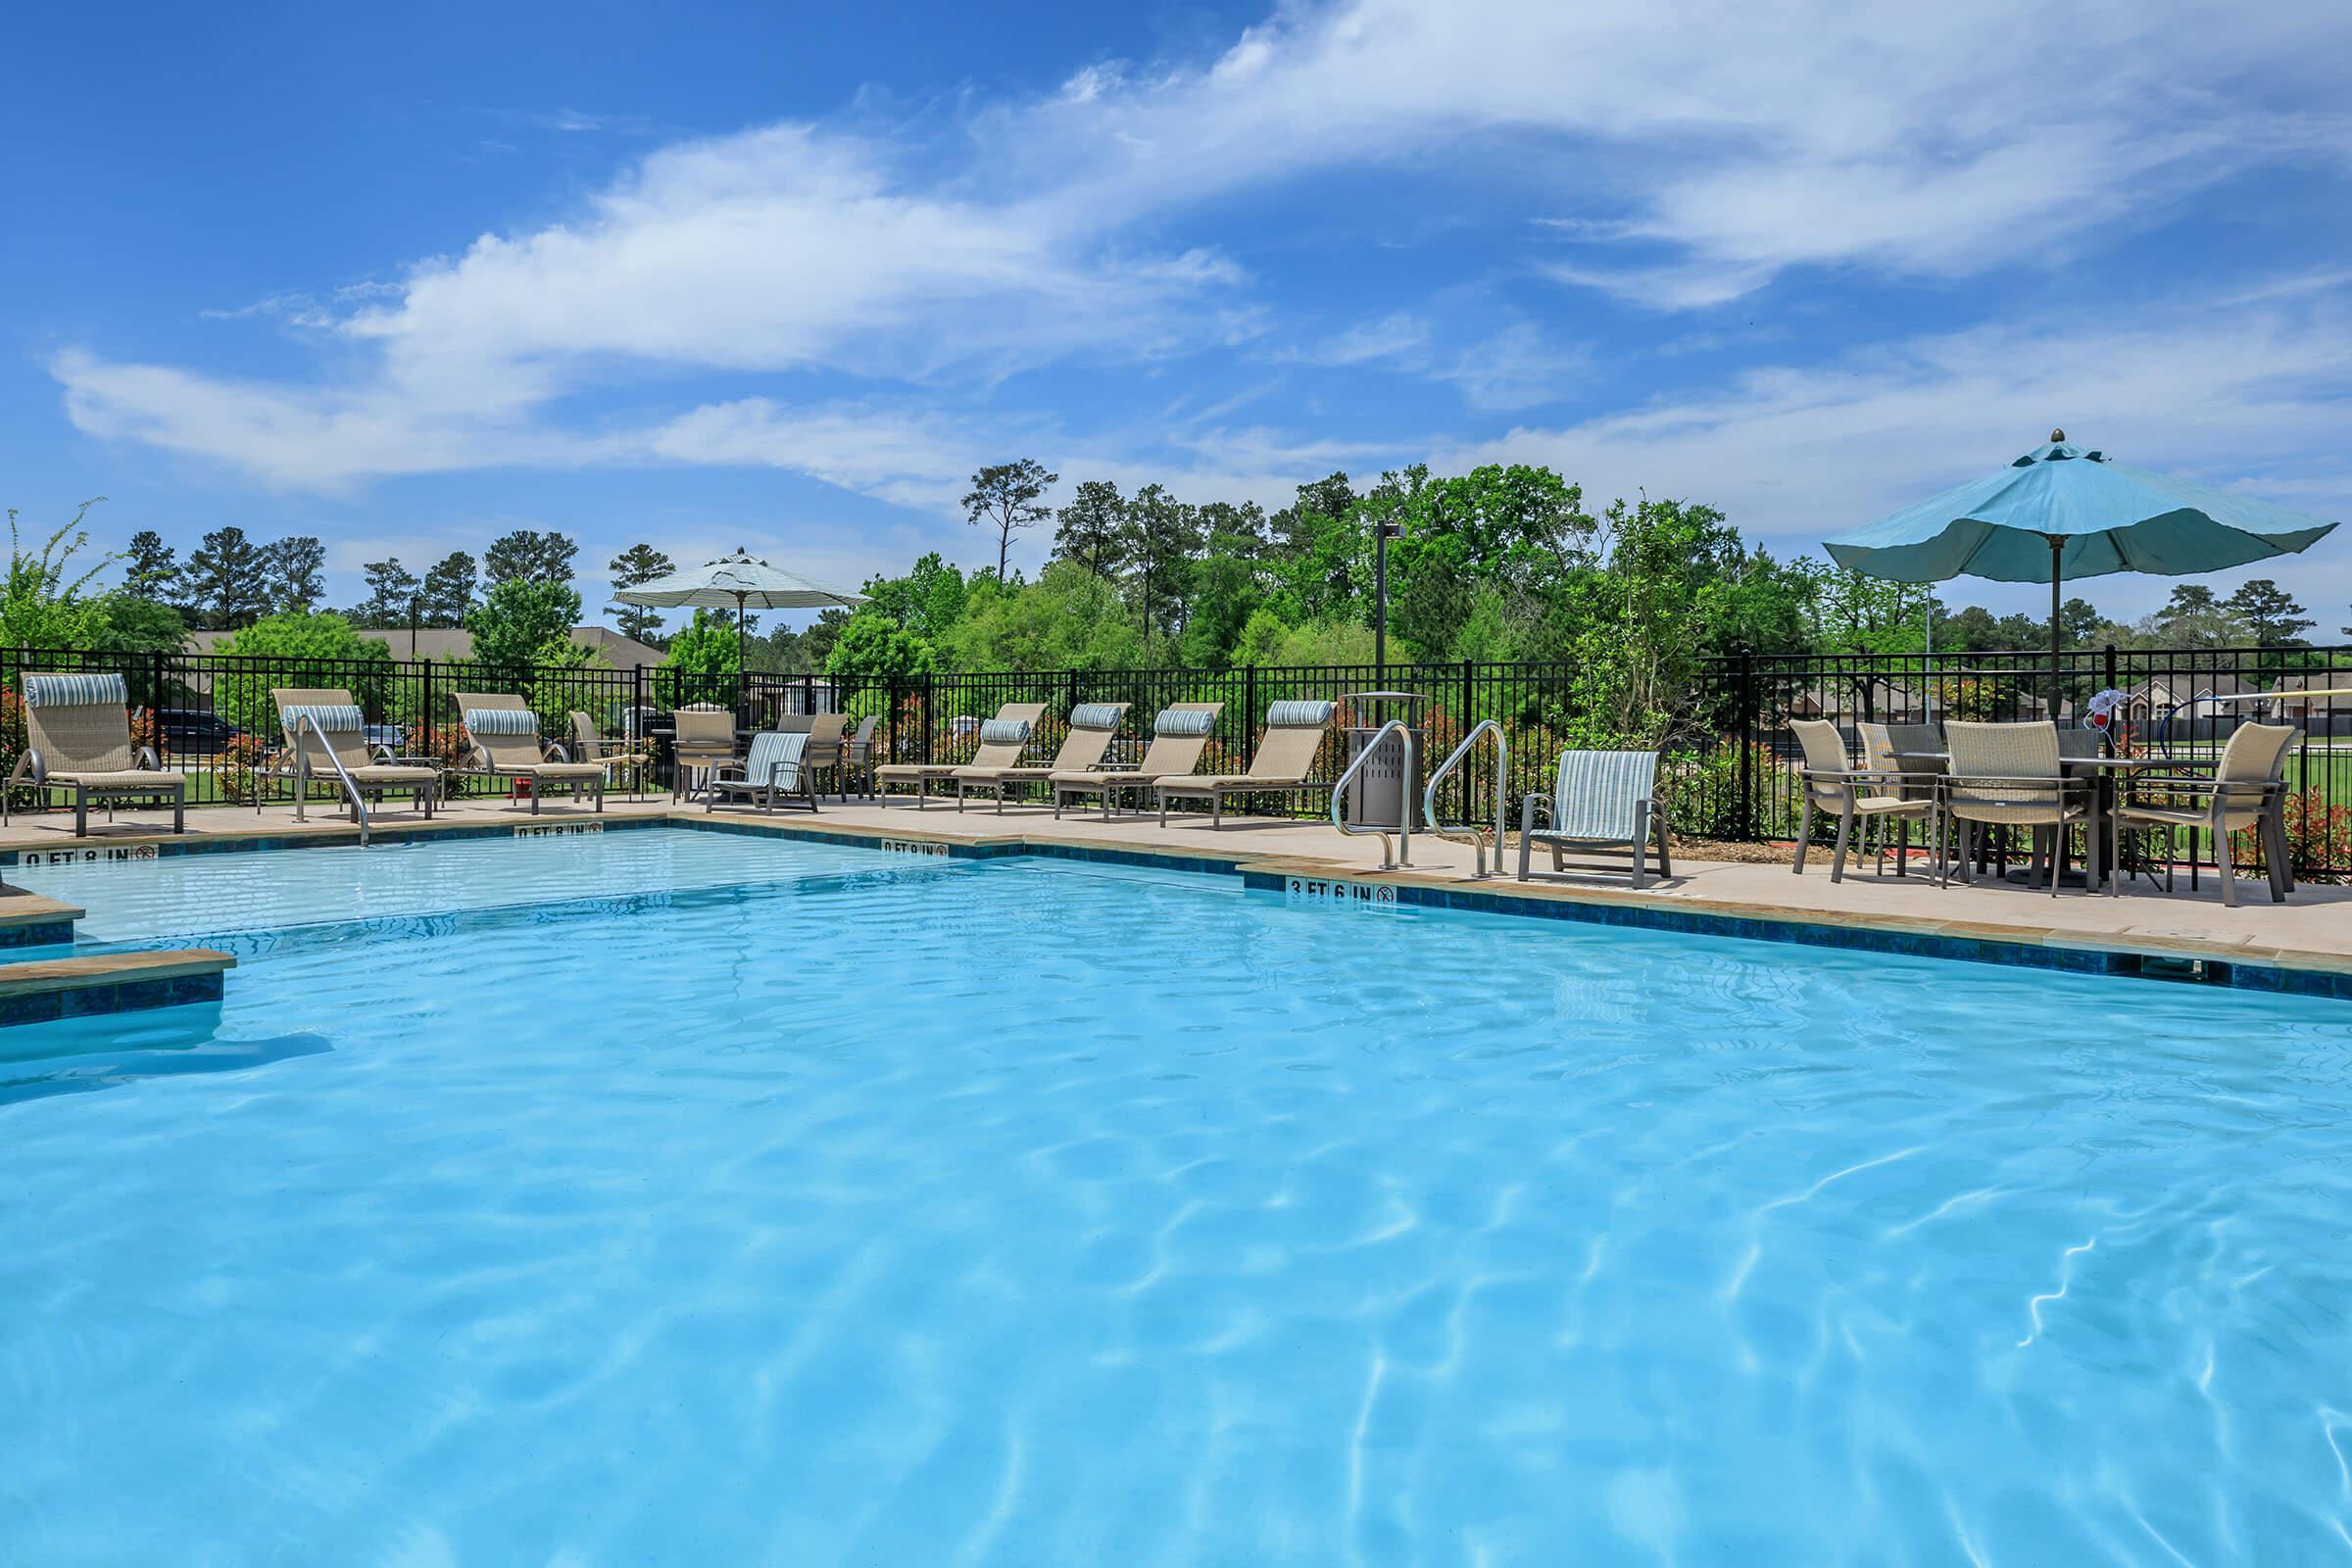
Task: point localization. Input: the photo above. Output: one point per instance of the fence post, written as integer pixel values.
(155, 706)
(1249, 714)
(1744, 818)
(928, 683)
(1072, 695)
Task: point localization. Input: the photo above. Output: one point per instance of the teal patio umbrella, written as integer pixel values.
(2062, 512)
(739, 581)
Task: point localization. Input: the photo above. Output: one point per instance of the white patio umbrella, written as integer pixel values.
(739, 582)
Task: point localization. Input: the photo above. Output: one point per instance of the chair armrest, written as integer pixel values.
(40, 766)
(1526, 812)
(148, 761)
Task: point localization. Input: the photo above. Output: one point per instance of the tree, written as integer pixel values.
(43, 600)
(448, 590)
(871, 644)
(705, 645)
(1069, 619)
(1005, 497)
(293, 573)
(2193, 618)
(151, 570)
(224, 579)
(927, 601)
(393, 592)
(633, 566)
(529, 556)
(242, 696)
(1092, 529)
(1162, 536)
(521, 623)
(2269, 613)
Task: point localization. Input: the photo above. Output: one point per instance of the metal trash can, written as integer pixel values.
(1385, 790)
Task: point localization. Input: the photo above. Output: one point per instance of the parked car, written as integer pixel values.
(392, 737)
(196, 731)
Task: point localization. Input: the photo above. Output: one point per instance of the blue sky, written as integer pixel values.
(409, 277)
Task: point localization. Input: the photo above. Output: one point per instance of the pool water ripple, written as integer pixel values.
(845, 1212)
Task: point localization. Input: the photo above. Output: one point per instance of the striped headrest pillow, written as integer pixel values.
(1004, 731)
(500, 722)
(1097, 716)
(335, 718)
(74, 691)
(1178, 722)
(1298, 716)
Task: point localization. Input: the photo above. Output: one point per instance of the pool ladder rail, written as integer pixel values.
(302, 773)
(1468, 832)
(1398, 852)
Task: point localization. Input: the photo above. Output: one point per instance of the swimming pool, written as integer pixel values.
(680, 1197)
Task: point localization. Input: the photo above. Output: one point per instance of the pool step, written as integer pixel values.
(29, 920)
(39, 990)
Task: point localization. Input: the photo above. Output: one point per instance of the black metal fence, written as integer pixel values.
(1729, 760)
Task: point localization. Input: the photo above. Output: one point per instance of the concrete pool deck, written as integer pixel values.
(2312, 932)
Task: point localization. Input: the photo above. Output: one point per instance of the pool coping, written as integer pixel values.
(2239, 965)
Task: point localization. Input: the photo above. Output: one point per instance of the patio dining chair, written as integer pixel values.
(2247, 790)
(2006, 776)
(702, 743)
(1876, 794)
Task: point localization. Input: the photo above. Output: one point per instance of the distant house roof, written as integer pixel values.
(448, 644)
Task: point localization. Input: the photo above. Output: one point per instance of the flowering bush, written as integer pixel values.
(232, 767)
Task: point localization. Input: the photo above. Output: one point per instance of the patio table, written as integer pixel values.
(2105, 770)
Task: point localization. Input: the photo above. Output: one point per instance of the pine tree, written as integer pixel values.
(225, 578)
(1092, 529)
(1005, 497)
(151, 570)
(447, 591)
(393, 592)
(1163, 534)
(2269, 613)
(293, 573)
(529, 556)
(633, 566)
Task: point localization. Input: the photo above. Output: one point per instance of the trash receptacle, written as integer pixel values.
(1381, 794)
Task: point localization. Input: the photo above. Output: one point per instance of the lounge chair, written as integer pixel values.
(1003, 739)
(1091, 728)
(1876, 794)
(505, 733)
(2247, 790)
(1600, 800)
(589, 745)
(2013, 775)
(372, 769)
(704, 742)
(774, 769)
(1293, 737)
(1179, 736)
(78, 741)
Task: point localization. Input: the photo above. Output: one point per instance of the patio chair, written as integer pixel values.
(327, 742)
(78, 741)
(1001, 742)
(589, 745)
(2247, 790)
(823, 753)
(1093, 725)
(703, 743)
(1600, 800)
(774, 769)
(2013, 775)
(1875, 794)
(1285, 754)
(1179, 737)
(504, 734)
(858, 752)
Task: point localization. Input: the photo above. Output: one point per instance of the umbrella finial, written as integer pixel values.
(2057, 435)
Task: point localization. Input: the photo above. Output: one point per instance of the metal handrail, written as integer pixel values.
(1468, 832)
(302, 774)
(1395, 854)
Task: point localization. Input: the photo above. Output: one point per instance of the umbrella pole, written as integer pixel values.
(2057, 554)
(739, 599)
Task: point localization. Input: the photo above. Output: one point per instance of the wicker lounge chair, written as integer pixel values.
(1876, 794)
(1091, 728)
(1179, 737)
(2247, 790)
(2012, 775)
(78, 741)
(1285, 754)
(505, 733)
(775, 768)
(1001, 742)
(372, 769)
(703, 743)
(1600, 800)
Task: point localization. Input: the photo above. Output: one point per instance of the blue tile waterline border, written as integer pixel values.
(2229, 972)
(128, 996)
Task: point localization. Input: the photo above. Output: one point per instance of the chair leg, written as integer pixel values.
(1657, 823)
(1641, 846)
(2282, 876)
(1804, 832)
(1845, 832)
(1527, 828)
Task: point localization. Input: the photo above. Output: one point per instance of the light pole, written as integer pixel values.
(1382, 534)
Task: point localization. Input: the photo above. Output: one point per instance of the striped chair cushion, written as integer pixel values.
(335, 718)
(1177, 721)
(1004, 731)
(776, 754)
(500, 722)
(1298, 716)
(76, 691)
(1595, 795)
(1096, 716)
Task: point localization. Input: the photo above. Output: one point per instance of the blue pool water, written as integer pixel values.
(678, 1198)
